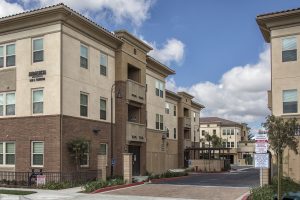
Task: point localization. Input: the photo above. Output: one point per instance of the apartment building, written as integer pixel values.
(231, 133)
(63, 77)
(281, 30)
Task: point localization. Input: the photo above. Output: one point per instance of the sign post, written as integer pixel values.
(261, 157)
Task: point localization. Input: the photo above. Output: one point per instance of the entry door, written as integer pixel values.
(135, 150)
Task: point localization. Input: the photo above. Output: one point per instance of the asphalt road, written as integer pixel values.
(239, 178)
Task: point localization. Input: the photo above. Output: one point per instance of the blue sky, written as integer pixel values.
(215, 46)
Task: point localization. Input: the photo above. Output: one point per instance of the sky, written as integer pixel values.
(215, 46)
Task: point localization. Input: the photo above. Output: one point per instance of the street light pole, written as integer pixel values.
(111, 132)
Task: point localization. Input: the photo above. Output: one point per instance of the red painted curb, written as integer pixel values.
(245, 197)
(116, 187)
(166, 179)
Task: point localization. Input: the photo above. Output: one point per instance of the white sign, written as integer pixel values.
(261, 138)
(261, 160)
(40, 180)
(261, 147)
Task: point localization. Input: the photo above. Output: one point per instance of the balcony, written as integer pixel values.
(187, 143)
(187, 122)
(270, 99)
(135, 132)
(135, 92)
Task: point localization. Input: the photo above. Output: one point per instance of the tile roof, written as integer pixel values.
(208, 120)
(279, 12)
(66, 7)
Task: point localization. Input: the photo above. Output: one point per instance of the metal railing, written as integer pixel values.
(29, 178)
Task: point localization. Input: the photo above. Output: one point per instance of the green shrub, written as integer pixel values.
(94, 185)
(59, 185)
(262, 193)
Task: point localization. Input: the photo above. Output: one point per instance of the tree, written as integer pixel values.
(250, 137)
(78, 149)
(213, 140)
(281, 134)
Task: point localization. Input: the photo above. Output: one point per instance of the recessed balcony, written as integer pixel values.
(135, 92)
(135, 132)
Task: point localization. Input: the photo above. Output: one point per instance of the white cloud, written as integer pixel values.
(134, 11)
(9, 8)
(240, 95)
(171, 51)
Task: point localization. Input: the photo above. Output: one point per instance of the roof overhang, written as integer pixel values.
(158, 67)
(268, 22)
(197, 105)
(172, 95)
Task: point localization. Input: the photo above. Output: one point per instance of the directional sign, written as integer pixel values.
(261, 138)
(261, 160)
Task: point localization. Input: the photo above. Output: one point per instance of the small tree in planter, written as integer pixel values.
(78, 149)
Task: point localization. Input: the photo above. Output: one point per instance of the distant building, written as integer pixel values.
(231, 133)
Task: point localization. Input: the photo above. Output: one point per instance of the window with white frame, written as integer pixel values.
(159, 88)
(83, 104)
(83, 56)
(289, 49)
(7, 153)
(232, 144)
(37, 101)
(103, 108)
(232, 131)
(7, 104)
(37, 154)
(103, 64)
(85, 161)
(194, 116)
(228, 144)
(38, 50)
(159, 122)
(167, 109)
(290, 101)
(224, 131)
(7, 55)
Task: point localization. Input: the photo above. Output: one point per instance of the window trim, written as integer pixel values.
(106, 67)
(87, 106)
(159, 86)
(33, 51)
(297, 102)
(32, 165)
(33, 90)
(5, 103)
(5, 55)
(160, 122)
(282, 49)
(4, 153)
(105, 99)
(87, 58)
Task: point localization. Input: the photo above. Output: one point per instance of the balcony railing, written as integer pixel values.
(135, 92)
(187, 122)
(187, 143)
(270, 99)
(135, 132)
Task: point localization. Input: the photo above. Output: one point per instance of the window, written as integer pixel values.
(228, 131)
(228, 144)
(175, 134)
(232, 144)
(194, 116)
(289, 49)
(224, 131)
(168, 134)
(84, 162)
(103, 149)
(37, 153)
(103, 109)
(7, 55)
(175, 110)
(167, 108)
(232, 131)
(83, 57)
(159, 88)
(38, 50)
(1, 57)
(159, 122)
(203, 132)
(214, 132)
(83, 105)
(103, 64)
(224, 144)
(7, 153)
(10, 55)
(290, 101)
(7, 104)
(37, 101)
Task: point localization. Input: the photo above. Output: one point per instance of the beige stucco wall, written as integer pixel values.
(195, 126)
(77, 79)
(171, 120)
(24, 65)
(155, 104)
